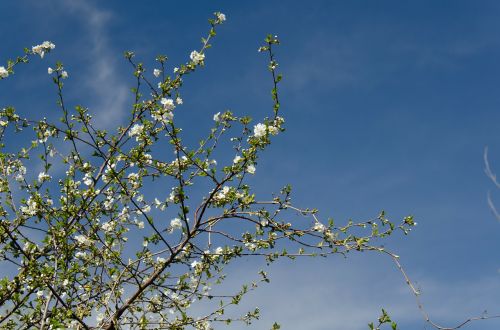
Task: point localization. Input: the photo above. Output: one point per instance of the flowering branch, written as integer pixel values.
(102, 245)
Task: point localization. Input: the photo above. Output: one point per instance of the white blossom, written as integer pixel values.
(171, 197)
(145, 209)
(203, 325)
(162, 116)
(42, 176)
(133, 176)
(157, 202)
(217, 117)
(45, 47)
(160, 260)
(221, 195)
(168, 104)
(108, 203)
(87, 179)
(83, 240)
(318, 226)
(196, 57)
(20, 173)
(107, 226)
(251, 246)
(195, 264)
(156, 72)
(251, 169)
(178, 100)
(50, 70)
(221, 17)
(3, 72)
(176, 223)
(31, 207)
(136, 130)
(64, 74)
(81, 255)
(237, 159)
(259, 130)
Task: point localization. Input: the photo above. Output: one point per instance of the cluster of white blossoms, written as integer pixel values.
(172, 196)
(42, 176)
(21, 172)
(221, 195)
(220, 17)
(176, 223)
(180, 162)
(64, 74)
(83, 240)
(81, 255)
(31, 207)
(87, 179)
(168, 104)
(107, 172)
(196, 264)
(144, 209)
(318, 226)
(159, 205)
(133, 179)
(260, 130)
(45, 133)
(250, 169)
(29, 247)
(196, 57)
(203, 325)
(166, 113)
(219, 251)
(251, 246)
(108, 226)
(3, 72)
(45, 47)
(136, 131)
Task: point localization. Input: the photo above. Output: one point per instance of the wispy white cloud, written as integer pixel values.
(324, 60)
(447, 54)
(328, 59)
(348, 294)
(109, 93)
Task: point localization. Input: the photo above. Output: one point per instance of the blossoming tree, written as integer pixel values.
(94, 248)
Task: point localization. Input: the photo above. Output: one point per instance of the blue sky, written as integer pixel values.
(388, 105)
